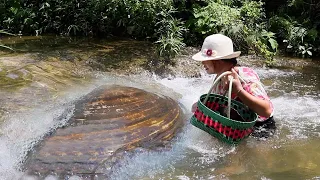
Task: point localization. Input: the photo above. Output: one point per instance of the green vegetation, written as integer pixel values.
(297, 24)
(262, 27)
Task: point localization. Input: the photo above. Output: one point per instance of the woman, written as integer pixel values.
(217, 56)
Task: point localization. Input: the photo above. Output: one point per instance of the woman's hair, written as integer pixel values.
(232, 60)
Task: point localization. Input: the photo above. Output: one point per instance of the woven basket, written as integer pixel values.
(208, 118)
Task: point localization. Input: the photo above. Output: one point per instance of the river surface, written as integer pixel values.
(31, 109)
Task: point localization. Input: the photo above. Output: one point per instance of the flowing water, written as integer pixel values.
(27, 114)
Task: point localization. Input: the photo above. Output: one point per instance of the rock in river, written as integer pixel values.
(106, 122)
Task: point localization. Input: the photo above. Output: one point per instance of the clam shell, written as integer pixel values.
(107, 121)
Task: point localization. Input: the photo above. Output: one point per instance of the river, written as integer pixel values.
(31, 109)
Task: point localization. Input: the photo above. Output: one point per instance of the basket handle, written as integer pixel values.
(229, 92)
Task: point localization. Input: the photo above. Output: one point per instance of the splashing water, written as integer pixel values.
(196, 155)
(193, 154)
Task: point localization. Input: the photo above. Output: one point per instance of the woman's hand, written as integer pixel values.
(236, 84)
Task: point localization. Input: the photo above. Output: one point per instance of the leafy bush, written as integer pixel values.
(215, 18)
(171, 32)
(136, 18)
(296, 24)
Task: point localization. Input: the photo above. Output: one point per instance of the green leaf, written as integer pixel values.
(273, 43)
(14, 10)
(310, 53)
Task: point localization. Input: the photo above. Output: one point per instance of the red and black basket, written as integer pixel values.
(208, 117)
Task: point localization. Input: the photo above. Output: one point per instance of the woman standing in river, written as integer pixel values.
(217, 57)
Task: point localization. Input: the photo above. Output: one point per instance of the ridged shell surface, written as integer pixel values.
(106, 121)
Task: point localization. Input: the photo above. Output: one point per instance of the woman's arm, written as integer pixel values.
(260, 106)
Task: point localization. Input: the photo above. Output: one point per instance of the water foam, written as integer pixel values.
(23, 131)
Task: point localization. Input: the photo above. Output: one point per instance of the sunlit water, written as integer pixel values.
(293, 153)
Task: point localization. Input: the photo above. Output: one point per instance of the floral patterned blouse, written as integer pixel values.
(252, 85)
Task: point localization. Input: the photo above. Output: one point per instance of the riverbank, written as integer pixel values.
(52, 61)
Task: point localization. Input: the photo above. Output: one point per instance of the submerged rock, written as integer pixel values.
(106, 122)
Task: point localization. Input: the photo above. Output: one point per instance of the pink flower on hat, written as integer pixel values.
(209, 52)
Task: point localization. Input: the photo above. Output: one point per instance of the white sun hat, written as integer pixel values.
(216, 47)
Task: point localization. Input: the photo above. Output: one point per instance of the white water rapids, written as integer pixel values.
(194, 154)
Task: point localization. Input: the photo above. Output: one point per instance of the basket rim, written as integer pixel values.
(226, 121)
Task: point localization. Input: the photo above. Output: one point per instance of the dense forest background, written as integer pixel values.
(266, 27)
